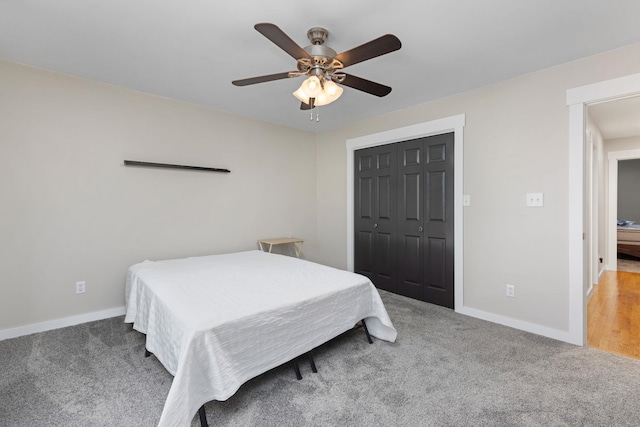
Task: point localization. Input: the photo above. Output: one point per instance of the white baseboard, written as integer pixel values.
(119, 311)
(60, 323)
(517, 324)
(601, 272)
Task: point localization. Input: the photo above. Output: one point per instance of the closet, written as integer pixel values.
(404, 217)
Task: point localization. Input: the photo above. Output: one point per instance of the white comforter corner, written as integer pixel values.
(217, 321)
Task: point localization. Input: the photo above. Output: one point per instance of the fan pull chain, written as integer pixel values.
(317, 114)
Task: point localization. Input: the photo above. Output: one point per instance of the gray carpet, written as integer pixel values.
(444, 370)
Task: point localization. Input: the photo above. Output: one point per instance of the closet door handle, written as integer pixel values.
(375, 225)
(420, 229)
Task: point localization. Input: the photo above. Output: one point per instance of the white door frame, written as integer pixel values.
(435, 127)
(596, 200)
(577, 100)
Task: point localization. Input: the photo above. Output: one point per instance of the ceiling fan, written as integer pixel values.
(323, 66)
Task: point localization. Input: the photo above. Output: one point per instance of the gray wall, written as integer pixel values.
(70, 211)
(629, 190)
(516, 140)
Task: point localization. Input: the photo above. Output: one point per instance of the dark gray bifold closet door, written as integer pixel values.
(421, 243)
(375, 215)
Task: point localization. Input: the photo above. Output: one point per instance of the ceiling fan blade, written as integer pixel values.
(283, 41)
(261, 79)
(380, 46)
(365, 85)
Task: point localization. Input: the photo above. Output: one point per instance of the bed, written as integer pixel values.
(629, 239)
(214, 322)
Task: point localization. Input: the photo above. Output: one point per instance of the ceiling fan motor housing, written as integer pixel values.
(320, 52)
(322, 57)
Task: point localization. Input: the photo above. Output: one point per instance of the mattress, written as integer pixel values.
(217, 321)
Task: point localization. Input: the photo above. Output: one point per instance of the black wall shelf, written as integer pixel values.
(170, 166)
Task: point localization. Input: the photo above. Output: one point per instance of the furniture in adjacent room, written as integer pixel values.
(629, 240)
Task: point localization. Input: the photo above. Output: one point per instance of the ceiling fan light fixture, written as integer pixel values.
(301, 95)
(311, 86)
(324, 93)
(330, 93)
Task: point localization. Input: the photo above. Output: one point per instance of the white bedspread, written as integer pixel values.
(217, 321)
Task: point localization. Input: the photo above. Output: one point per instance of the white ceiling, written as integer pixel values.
(191, 50)
(617, 119)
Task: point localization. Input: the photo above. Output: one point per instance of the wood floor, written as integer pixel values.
(613, 314)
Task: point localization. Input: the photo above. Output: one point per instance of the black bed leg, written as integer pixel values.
(312, 362)
(366, 331)
(147, 353)
(297, 369)
(203, 417)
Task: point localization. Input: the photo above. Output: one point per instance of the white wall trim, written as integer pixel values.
(608, 90)
(612, 241)
(577, 291)
(435, 127)
(60, 323)
(577, 100)
(601, 272)
(516, 324)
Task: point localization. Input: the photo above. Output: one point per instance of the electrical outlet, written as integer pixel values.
(511, 291)
(80, 286)
(535, 200)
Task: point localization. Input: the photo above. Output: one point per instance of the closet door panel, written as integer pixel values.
(385, 206)
(385, 262)
(363, 258)
(375, 207)
(410, 253)
(436, 262)
(436, 196)
(438, 227)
